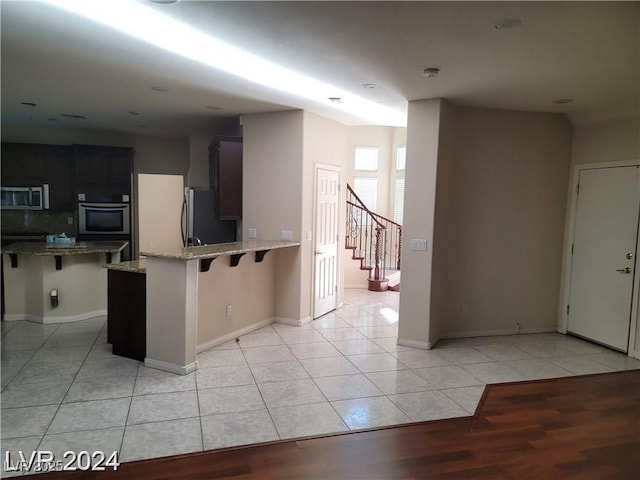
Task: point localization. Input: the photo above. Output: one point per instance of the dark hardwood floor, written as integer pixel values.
(579, 427)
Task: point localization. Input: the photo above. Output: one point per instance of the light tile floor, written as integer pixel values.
(62, 389)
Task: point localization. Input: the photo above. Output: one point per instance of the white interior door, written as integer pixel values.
(326, 241)
(604, 250)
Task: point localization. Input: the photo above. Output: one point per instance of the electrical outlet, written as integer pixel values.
(286, 235)
(69, 220)
(228, 310)
(419, 244)
(309, 235)
(252, 233)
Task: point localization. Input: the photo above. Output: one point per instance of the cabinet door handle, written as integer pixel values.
(624, 270)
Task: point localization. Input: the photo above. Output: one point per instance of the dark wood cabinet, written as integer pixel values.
(22, 165)
(126, 320)
(59, 176)
(103, 169)
(32, 165)
(225, 157)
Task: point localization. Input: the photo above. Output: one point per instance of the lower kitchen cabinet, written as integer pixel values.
(126, 321)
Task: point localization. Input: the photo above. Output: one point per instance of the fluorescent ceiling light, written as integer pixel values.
(145, 23)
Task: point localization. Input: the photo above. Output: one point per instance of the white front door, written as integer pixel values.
(326, 241)
(604, 251)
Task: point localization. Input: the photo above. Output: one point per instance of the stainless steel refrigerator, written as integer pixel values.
(168, 214)
(199, 224)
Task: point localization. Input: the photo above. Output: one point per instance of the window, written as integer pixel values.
(366, 159)
(366, 189)
(398, 201)
(365, 183)
(398, 185)
(401, 157)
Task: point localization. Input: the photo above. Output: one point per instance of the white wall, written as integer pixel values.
(272, 197)
(606, 142)
(420, 191)
(500, 207)
(250, 290)
(281, 150)
(487, 189)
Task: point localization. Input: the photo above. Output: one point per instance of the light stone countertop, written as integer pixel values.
(133, 266)
(79, 248)
(221, 249)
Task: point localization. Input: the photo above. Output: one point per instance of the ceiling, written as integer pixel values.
(585, 51)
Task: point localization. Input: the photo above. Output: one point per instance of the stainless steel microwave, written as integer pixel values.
(103, 218)
(25, 198)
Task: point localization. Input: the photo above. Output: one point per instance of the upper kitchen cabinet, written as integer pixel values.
(225, 157)
(23, 165)
(103, 169)
(32, 165)
(59, 176)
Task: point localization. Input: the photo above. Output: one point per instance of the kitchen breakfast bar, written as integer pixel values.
(199, 297)
(52, 283)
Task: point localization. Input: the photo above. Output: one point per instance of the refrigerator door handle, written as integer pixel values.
(183, 222)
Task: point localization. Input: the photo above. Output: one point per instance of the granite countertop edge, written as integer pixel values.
(221, 249)
(133, 266)
(81, 248)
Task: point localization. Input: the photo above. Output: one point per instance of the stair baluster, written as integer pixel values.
(375, 241)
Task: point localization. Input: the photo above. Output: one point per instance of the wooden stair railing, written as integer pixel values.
(375, 241)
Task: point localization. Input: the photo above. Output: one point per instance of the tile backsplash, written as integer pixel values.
(40, 221)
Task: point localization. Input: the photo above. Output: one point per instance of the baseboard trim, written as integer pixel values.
(291, 321)
(233, 335)
(62, 319)
(171, 367)
(636, 354)
(490, 333)
(405, 342)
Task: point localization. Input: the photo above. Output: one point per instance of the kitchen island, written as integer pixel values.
(199, 297)
(33, 271)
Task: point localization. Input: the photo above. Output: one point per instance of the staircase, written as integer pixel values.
(376, 242)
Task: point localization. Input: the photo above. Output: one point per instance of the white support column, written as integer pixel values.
(172, 314)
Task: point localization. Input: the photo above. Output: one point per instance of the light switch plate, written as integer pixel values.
(286, 235)
(419, 244)
(252, 233)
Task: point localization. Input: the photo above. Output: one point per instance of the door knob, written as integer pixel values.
(317, 252)
(624, 270)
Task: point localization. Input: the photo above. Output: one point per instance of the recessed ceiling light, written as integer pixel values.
(431, 72)
(335, 99)
(561, 101)
(369, 86)
(28, 104)
(508, 23)
(159, 89)
(75, 117)
(165, 2)
(212, 107)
